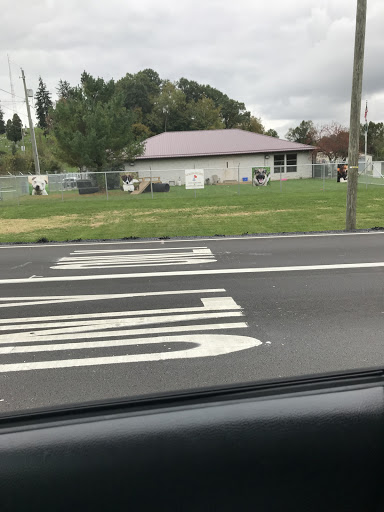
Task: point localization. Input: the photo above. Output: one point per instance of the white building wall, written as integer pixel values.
(226, 167)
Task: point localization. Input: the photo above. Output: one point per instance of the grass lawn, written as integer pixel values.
(302, 205)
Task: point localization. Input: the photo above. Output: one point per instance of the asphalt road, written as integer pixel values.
(94, 321)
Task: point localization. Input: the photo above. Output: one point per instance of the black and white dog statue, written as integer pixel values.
(128, 183)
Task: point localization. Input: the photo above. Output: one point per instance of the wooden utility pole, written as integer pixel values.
(31, 128)
(354, 124)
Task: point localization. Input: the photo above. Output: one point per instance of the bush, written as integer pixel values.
(15, 164)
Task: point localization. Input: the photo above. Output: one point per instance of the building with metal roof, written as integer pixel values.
(229, 154)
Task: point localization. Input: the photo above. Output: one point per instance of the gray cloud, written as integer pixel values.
(287, 61)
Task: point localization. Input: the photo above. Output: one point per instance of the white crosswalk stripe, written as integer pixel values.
(132, 258)
(85, 333)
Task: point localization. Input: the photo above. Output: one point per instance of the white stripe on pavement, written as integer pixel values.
(59, 347)
(188, 240)
(78, 261)
(58, 299)
(31, 338)
(117, 264)
(139, 275)
(55, 328)
(209, 304)
(96, 251)
(207, 346)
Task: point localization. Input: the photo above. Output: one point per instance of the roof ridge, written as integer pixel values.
(222, 141)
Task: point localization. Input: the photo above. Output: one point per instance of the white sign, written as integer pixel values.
(194, 178)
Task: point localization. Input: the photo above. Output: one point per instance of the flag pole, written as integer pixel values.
(365, 141)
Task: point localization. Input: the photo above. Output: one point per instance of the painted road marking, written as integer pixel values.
(58, 299)
(259, 270)
(81, 260)
(83, 326)
(118, 329)
(209, 304)
(102, 251)
(207, 345)
(16, 338)
(188, 240)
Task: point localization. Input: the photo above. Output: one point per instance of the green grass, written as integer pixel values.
(301, 205)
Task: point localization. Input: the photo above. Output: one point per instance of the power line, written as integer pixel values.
(16, 96)
(8, 108)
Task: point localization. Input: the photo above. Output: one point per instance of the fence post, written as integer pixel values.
(106, 184)
(238, 178)
(150, 177)
(323, 177)
(281, 186)
(62, 187)
(17, 191)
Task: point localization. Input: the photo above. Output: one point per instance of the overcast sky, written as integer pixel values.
(286, 60)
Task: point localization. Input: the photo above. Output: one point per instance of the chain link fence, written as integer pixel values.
(157, 184)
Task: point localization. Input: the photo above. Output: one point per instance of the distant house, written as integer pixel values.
(225, 153)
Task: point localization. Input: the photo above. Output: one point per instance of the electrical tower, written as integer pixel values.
(14, 108)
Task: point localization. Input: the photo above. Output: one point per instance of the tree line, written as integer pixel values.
(99, 124)
(332, 139)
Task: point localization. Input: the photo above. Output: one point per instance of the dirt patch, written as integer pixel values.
(246, 214)
(113, 217)
(204, 211)
(167, 211)
(15, 226)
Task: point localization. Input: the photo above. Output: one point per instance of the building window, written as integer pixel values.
(291, 163)
(278, 163)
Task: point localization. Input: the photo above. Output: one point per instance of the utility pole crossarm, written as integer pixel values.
(31, 128)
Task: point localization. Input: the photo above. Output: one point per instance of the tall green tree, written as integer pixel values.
(375, 140)
(204, 115)
(217, 96)
(170, 110)
(193, 91)
(96, 89)
(13, 128)
(305, 133)
(140, 90)
(43, 104)
(252, 124)
(272, 133)
(63, 89)
(2, 122)
(234, 113)
(92, 126)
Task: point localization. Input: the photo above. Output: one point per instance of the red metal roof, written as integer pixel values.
(215, 142)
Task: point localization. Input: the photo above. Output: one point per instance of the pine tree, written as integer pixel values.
(2, 123)
(63, 89)
(13, 128)
(43, 104)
